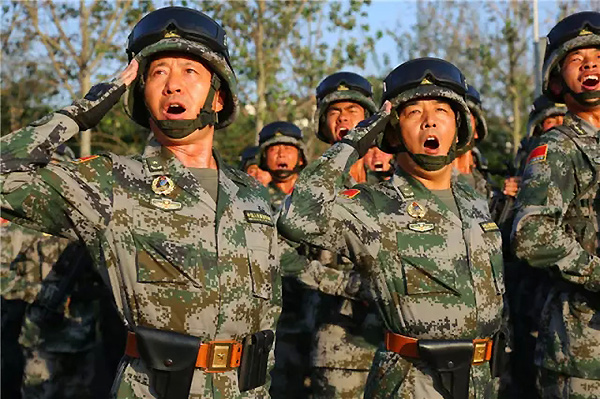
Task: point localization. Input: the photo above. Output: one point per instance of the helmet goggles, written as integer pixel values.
(280, 128)
(426, 71)
(189, 24)
(344, 81)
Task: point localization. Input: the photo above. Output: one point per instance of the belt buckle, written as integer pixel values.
(479, 350)
(219, 356)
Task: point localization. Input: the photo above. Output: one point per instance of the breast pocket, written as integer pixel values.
(166, 251)
(493, 243)
(426, 264)
(261, 262)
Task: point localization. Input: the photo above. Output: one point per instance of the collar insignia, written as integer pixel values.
(166, 204)
(163, 185)
(84, 159)
(350, 193)
(415, 210)
(421, 227)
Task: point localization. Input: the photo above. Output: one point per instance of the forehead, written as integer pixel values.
(167, 58)
(343, 105)
(586, 51)
(426, 101)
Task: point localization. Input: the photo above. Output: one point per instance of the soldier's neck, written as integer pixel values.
(432, 180)
(288, 185)
(193, 151)
(588, 114)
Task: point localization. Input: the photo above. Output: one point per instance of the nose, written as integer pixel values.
(590, 62)
(428, 120)
(173, 85)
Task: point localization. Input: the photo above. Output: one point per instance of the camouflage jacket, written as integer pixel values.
(434, 277)
(276, 197)
(556, 227)
(176, 261)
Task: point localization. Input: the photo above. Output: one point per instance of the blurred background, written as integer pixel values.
(53, 52)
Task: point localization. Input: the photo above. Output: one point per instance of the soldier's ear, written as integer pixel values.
(219, 101)
(555, 85)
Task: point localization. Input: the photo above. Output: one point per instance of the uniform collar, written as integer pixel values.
(580, 126)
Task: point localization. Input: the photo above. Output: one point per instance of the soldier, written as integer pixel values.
(424, 238)
(378, 165)
(556, 222)
(283, 154)
(470, 162)
(249, 164)
(187, 242)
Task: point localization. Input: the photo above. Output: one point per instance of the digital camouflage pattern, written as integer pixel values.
(560, 188)
(177, 261)
(276, 197)
(424, 284)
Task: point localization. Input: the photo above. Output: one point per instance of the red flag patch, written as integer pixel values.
(538, 154)
(350, 193)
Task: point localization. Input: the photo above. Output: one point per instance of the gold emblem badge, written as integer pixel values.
(163, 185)
(584, 32)
(426, 82)
(166, 204)
(342, 88)
(415, 210)
(171, 34)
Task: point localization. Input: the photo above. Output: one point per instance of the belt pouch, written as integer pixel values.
(255, 356)
(172, 358)
(452, 361)
(499, 360)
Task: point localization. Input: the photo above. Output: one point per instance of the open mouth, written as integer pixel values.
(432, 143)
(590, 82)
(343, 131)
(175, 109)
(378, 166)
(282, 166)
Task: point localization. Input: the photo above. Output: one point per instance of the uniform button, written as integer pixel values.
(168, 362)
(450, 364)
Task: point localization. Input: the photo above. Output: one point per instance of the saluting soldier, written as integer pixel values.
(187, 242)
(557, 210)
(424, 238)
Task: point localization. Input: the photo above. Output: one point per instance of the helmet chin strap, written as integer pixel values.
(432, 163)
(178, 129)
(584, 97)
(283, 175)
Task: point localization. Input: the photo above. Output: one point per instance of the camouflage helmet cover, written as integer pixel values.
(280, 132)
(207, 42)
(541, 109)
(342, 86)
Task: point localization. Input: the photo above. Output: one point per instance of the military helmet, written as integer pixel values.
(185, 30)
(541, 109)
(280, 133)
(575, 31)
(425, 78)
(474, 104)
(342, 86)
(249, 157)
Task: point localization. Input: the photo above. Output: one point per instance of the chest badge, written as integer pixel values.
(415, 210)
(421, 227)
(489, 226)
(166, 204)
(163, 185)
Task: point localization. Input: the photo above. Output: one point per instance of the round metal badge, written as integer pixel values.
(163, 185)
(415, 210)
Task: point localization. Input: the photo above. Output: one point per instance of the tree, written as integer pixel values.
(80, 39)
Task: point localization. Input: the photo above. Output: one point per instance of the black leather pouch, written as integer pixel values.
(172, 358)
(499, 360)
(255, 355)
(452, 361)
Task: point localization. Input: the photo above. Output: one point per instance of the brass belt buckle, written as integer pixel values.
(479, 350)
(220, 354)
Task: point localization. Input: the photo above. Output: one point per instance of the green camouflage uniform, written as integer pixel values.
(424, 283)
(560, 188)
(177, 262)
(276, 197)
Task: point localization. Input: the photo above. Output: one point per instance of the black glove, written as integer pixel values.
(88, 111)
(365, 133)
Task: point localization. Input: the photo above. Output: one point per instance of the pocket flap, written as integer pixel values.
(425, 275)
(167, 350)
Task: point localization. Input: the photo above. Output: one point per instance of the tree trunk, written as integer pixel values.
(85, 149)
(261, 79)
